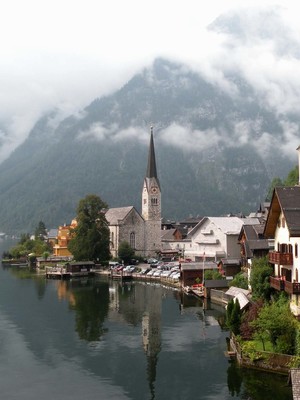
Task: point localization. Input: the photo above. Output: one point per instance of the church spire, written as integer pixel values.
(151, 168)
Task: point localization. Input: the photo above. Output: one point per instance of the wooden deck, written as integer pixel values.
(120, 275)
(62, 273)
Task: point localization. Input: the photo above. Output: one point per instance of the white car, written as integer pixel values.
(165, 273)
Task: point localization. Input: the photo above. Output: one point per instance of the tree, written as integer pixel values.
(276, 323)
(40, 231)
(233, 316)
(260, 278)
(292, 179)
(90, 239)
(210, 274)
(275, 182)
(125, 252)
(240, 281)
(247, 330)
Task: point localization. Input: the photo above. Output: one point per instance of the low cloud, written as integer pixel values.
(188, 139)
(99, 132)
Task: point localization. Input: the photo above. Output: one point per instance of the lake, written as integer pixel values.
(98, 339)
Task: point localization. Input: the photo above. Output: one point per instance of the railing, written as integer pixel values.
(277, 283)
(287, 286)
(275, 257)
(292, 287)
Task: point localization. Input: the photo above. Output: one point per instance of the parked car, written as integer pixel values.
(165, 273)
(176, 275)
(152, 261)
(144, 271)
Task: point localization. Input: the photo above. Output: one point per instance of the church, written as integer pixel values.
(141, 231)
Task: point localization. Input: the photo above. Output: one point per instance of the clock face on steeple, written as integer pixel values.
(154, 189)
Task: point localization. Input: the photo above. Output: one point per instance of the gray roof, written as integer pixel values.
(52, 233)
(168, 234)
(228, 225)
(287, 200)
(199, 265)
(243, 300)
(231, 261)
(234, 291)
(116, 215)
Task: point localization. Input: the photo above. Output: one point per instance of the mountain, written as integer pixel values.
(209, 151)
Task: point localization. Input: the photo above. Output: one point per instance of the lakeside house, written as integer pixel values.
(283, 225)
(215, 238)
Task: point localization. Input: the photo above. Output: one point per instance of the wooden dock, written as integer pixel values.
(121, 275)
(63, 274)
(69, 271)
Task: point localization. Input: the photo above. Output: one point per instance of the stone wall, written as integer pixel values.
(271, 362)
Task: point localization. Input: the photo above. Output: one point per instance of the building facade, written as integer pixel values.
(215, 238)
(283, 225)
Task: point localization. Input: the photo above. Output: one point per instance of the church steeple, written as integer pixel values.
(151, 168)
(151, 195)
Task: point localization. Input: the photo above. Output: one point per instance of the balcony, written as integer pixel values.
(277, 283)
(292, 287)
(275, 257)
(282, 284)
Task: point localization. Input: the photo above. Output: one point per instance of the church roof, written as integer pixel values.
(114, 215)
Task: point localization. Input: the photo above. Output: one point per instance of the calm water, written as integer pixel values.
(93, 339)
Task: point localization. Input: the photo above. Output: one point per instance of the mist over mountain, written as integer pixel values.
(219, 142)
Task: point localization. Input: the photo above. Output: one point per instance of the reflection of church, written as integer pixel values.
(142, 232)
(140, 304)
(151, 331)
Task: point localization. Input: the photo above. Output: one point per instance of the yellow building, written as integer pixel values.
(60, 249)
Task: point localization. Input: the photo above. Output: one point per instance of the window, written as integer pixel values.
(278, 223)
(132, 240)
(112, 240)
(283, 222)
(154, 201)
(296, 251)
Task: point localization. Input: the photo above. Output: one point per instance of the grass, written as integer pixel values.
(258, 345)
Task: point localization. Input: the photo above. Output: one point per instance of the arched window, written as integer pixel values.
(112, 240)
(154, 201)
(132, 240)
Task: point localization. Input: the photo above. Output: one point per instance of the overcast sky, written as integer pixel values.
(65, 53)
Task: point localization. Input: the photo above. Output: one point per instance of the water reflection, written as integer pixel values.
(133, 341)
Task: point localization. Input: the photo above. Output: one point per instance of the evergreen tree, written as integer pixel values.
(40, 231)
(292, 179)
(233, 316)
